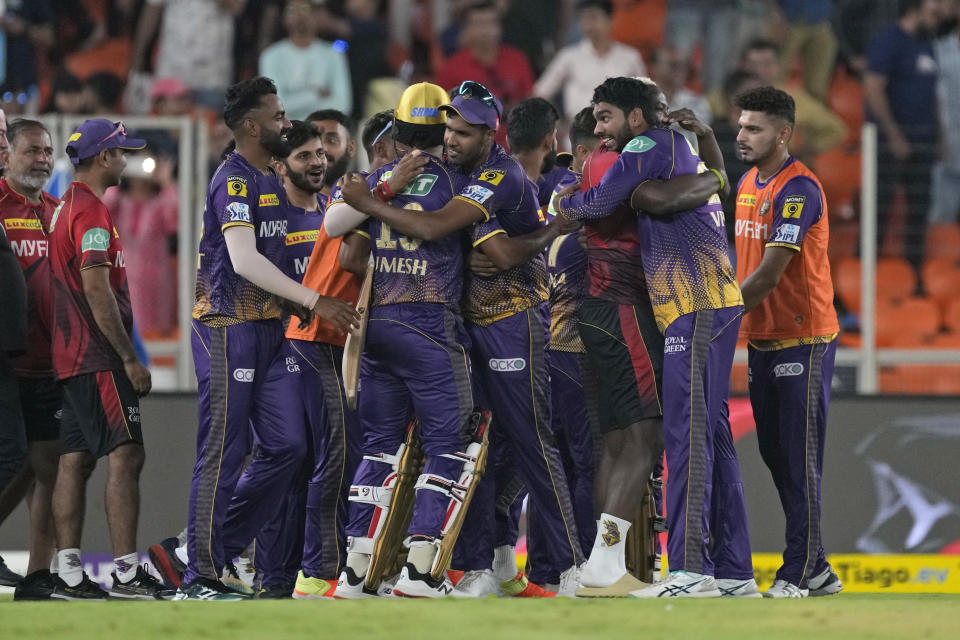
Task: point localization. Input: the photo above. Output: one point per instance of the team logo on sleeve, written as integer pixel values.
(237, 186)
(793, 205)
(95, 239)
(493, 176)
(477, 193)
(787, 233)
(239, 212)
(640, 144)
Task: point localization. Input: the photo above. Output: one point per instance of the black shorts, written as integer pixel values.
(626, 350)
(101, 411)
(13, 440)
(41, 400)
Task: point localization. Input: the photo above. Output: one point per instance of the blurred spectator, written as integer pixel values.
(485, 59)
(639, 23)
(818, 128)
(101, 93)
(577, 69)
(810, 39)
(309, 73)
(725, 130)
(171, 97)
(366, 36)
(28, 28)
(66, 95)
(671, 71)
(258, 26)
(144, 208)
(538, 28)
(855, 22)
(901, 98)
(714, 25)
(195, 44)
(945, 192)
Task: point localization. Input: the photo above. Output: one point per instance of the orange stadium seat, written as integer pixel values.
(910, 323)
(846, 100)
(846, 282)
(844, 239)
(951, 316)
(941, 280)
(839, 173)
(943, 241)
(896, 279)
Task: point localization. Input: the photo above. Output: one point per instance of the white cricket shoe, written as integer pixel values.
(734, 588)
(351, 587)
(681, 584)
(826, 584)
(477, 584)
(784, 589)
(569, 583)
(413, 584)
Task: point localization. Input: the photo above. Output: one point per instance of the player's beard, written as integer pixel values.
(335, 169)
(302, 182)
(30, 180)
(549, 162)
(273, 142)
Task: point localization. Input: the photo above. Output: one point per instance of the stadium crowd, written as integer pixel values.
(525, 337)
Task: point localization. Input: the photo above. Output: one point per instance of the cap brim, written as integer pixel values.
(132, 144)
(451, 108)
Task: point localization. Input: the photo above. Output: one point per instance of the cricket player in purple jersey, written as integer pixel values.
(236, 334)
(697, 305)
(415, 360)
(507, 320)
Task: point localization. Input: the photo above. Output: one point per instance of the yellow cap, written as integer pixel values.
(420, 104)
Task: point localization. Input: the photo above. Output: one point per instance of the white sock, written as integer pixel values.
(70, 567)
(421, 555)
(181, 552)
(505, 562)
(126, 566)
(53, 564)
(182, 537)
(359, 562)
(608, 558)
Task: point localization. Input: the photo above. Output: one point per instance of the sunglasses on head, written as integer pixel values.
(472, 90)
(120, 130)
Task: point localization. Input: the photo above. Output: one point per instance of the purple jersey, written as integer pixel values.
(508, 199)
(548, 182)
(303, 227)
(239, 195)
(567, 264)
(685, 258)
(410, 269)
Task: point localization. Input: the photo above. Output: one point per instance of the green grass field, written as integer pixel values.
(844, 617)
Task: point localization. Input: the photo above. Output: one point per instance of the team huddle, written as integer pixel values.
(391, 363)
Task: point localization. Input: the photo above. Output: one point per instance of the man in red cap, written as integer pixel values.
(101, 376)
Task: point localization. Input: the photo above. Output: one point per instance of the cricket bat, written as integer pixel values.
(353, 348)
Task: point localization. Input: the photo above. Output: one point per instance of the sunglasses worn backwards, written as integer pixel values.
(471, 89)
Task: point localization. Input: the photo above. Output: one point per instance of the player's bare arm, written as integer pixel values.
(355, 253)
(106, 313)
(506, 252)
(761, 282)
(426, 225)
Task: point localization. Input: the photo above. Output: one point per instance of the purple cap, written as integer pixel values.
(97, 134)
(475, 109)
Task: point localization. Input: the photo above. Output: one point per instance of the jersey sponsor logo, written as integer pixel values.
(29, 248)
(747, 200)
(239, 212)
(269, 200)
(243, 375)
(28, 224)
(421, 185)
(299, 237)
(424, 112)
(493, 176)
(640, 144)
(271, 228)
(96, 239)
(793, 205)
(237, 186)
(507, 364)
(477, 193)
(788, 233)
(751, 229)
(674, 344)
(788, 369)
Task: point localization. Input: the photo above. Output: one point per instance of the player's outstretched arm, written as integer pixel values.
(354, 254)
(600, 201)
(251, 264)
(666, 197)
(426, 225)
(106, 313)
(506, 252)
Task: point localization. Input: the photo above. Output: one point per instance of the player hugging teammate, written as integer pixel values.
(505, 352)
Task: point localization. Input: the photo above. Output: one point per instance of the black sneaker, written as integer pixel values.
(165, 561)
(86, 590)
(142, 586)
(277, 592)
(206, 589)
(35, 586)
(8, 578)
